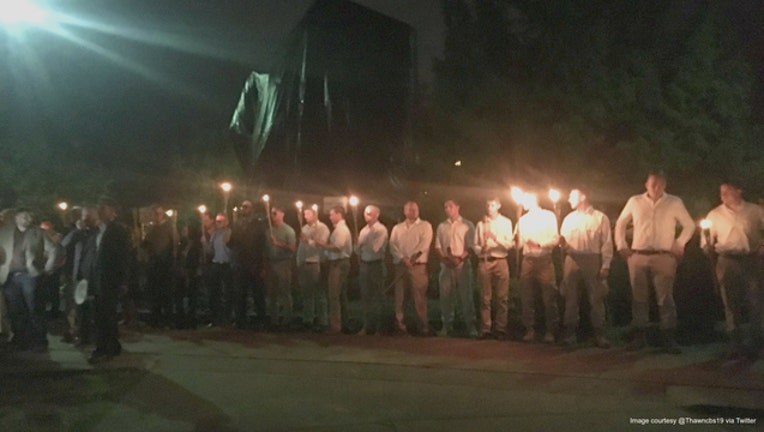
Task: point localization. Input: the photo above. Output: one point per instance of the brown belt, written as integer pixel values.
(491, 259)
(651, 252)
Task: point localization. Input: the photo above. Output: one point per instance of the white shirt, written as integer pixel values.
(654, 223)
(307, 251)
(588, 232)
(408, 238)
(458, 235)
(342, 240)
(372, 242)
(736, 231)
(540, 226)
(501, 227)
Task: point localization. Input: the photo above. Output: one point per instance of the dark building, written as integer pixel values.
(339, 103)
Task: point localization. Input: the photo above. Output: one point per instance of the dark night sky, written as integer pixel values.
(146, 76)
(133, 77)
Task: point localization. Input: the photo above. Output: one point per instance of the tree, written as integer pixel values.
(596, 92)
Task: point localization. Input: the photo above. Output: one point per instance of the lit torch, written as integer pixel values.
(267, 201)
(353, 201)
(298, 204)
(705, 226)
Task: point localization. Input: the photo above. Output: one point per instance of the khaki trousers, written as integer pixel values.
(336, 278)
(537, 273)
(586, 269)
(494, 289)
(740, 287)
(661, 270)
(415, 280)
(280, 291)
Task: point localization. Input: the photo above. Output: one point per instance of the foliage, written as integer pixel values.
(597, 92)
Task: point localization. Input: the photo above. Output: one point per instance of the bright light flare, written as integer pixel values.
(22, 12)
(517, 194)
(458, 163)
(353, 201)
(554, 195)
(170, 213)
(299, 205)
(705, 224)
(63, 205)
(202, 208)
(315, 208)
(266, 198)
(226, 186)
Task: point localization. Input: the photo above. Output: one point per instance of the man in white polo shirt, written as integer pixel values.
(735, 238)
(587, 240)
(410, 247)
(371, 247)
(338, 250)
(453, 241)
(309, 257)
(654, 253)
(493, 240)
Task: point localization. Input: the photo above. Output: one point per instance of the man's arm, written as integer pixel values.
(688, 228)
(620, 229)
(606, 239)
(395, 249)
(425, 241)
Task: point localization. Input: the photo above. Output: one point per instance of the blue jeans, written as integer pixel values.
(26, 310)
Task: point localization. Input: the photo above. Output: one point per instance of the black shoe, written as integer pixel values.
(39, 348)
(638, 341)
(501, 336)
(669, 343)
(99, 357)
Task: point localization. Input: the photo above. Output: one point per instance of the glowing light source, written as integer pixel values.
(705, 224)
(226, 186)
(266, 198)
(517, 194)
(298, 204)
(353, 200)
(63, 205)
(170, 213)
(202, 208)
(315, 208)
(458, 163)
(554, 195)
(17, 12)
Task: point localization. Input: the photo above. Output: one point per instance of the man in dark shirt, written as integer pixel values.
(160, 243)
(24, 251)
(108, 278)
(248, 240)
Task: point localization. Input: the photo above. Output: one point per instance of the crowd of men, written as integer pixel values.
(258, 258)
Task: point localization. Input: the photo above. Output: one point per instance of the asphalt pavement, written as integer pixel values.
(224, 379)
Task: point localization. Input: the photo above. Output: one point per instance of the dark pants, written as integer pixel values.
(160, 287)
(186, 299)
(49, 286)
(220, 284)
(248, 279)
(106, 331)
(26, 309)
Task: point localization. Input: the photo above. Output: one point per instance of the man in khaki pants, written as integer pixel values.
(493, 240)
(410, 246)
(734, 237)
(586, 238)
(654, 252)
(338, 249)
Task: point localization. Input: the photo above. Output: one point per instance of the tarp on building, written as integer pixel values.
(339, 104)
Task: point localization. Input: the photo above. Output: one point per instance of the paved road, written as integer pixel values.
(229, 380)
